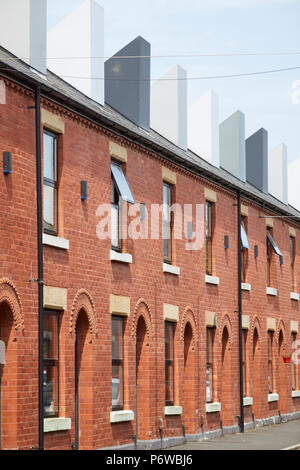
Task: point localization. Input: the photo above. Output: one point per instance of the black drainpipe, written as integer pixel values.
(0, 400)
(40, 261)
(241, 420)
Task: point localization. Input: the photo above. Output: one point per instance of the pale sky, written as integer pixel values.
(217, 27)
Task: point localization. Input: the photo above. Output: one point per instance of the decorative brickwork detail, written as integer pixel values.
(255, 326)
(142, 309)
(83, 301)
(280, 327)
(9, 294)
(225, 322)
(189, 317)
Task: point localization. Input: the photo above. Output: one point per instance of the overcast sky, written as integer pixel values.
(217, 26)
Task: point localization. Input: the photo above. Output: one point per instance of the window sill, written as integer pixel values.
(295, 296)
(212, 280)
(57, 242)
(173, 410)
(214, 407)
(121, 416)
(245, 286)
(248, 401)
(271, 291)
(121, 257)
(295, 393)
(273, 397)
(57, 424)
(169, 268)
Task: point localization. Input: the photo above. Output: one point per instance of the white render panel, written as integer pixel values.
(23, 30)
(80, 34)
(203, 127)
(293, 185)
(168, 106)
(278, 173)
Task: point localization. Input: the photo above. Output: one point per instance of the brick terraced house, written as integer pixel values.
(142, 339)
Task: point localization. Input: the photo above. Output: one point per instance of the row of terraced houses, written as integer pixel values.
(118, 329)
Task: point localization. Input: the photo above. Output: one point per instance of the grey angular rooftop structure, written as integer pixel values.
(257, 160)
(127, 82)
(54, 88)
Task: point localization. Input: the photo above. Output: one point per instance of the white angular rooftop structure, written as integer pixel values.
(203, 127)
(278, 173)
(168, 106)
(294, 184)
(80, 38)
(23, 31)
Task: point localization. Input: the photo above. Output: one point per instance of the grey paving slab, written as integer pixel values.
(276, 437)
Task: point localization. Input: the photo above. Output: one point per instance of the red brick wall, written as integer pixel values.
(84, 154)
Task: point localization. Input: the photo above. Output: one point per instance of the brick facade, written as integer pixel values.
(90, 278)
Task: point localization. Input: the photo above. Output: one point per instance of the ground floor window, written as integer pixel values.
(51, 363)
(117, 324)
(209, 364)
(169, 362)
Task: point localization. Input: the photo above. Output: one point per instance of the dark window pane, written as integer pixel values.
(122, 183)
(167, 232)
(292, 253)
(209, 364)
(294, 371)
(169, 383)
(244, 344)
(169, 341)
(270, 361)
(208, 215)
(50, 338)
(117, 338)
(115, 228)
(117, 386)
(50, 386)
(117, 362)
(50, 208)
(50, 150)
(169, 363)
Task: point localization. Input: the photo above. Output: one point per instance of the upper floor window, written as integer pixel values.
(167, 222)
(272, 247)
(169, 362)
(244, 249)
(117, 330)
(120, 190)
(50, 182)
(51, 363)
(209, 235)
(292, 255)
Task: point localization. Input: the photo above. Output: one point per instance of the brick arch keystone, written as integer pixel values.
(10, 295)
(83, 301)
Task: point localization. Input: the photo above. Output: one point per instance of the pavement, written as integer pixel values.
(284, 436)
